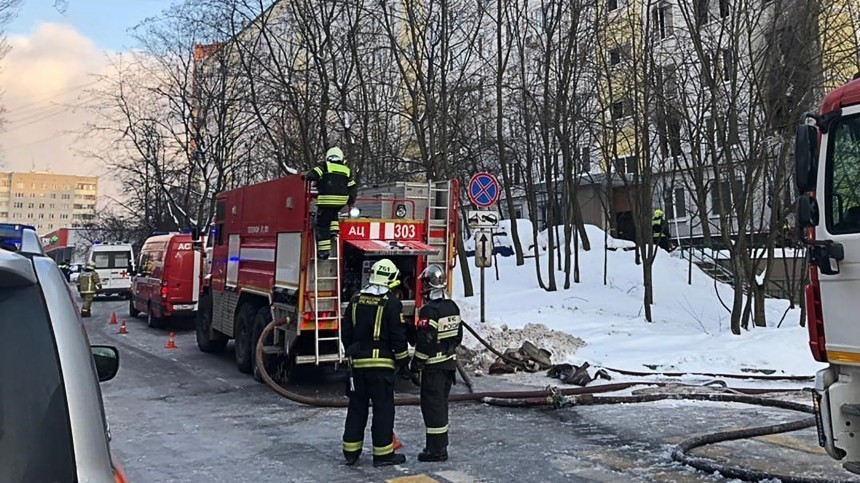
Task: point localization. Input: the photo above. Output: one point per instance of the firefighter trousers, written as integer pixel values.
(327, 226)
(375, 385)
(88, 302)
(435, 388)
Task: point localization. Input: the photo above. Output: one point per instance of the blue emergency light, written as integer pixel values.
(12, 236)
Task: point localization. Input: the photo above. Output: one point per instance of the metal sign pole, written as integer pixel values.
(482, 296)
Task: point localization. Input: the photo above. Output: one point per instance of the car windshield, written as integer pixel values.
(111, 259)
(35, 433)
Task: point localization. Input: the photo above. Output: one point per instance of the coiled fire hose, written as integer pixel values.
(582, 396)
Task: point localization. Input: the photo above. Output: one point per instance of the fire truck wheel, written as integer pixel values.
(242, 336)
(132, 312)
(205, 340)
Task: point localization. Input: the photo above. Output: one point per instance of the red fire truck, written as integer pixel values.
(264, 266)
(828, 173)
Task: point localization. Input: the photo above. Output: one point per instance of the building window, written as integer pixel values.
(668, 79)
(724, 190)
(20, 186)
(676, 207)
(725, 8)
(18, 204)
(627, 165)
(53, 196)
(31, 205)
(615, 56)
(729, 64)
(41, 206)
(585, 159)
(615, 4)
(661, 19)
(620, 109)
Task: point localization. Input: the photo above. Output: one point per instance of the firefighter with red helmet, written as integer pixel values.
(438, 334)
(336, 188)
(374, 334)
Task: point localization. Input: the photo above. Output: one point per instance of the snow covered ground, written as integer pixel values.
(690, 332)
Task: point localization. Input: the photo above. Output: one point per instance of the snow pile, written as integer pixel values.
(595, 236)
(690, 331)
(561, 345)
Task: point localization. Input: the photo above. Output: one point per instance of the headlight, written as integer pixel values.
(354, 213)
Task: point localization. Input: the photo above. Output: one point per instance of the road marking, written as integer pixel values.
(413, 479)
(456, 477)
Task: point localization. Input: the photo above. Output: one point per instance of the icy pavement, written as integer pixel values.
(184, 416)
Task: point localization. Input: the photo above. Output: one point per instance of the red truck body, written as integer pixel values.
(167, 283)
(263, 265)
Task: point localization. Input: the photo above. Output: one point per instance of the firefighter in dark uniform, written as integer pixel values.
(660, 230)
(336, 188)
(374, 335)
(438, 333)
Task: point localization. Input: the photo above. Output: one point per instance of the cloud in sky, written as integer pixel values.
(44, 80)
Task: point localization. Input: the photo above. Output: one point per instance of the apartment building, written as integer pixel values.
(47, 200)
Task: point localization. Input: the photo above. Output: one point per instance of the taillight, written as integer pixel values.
(164, 290)
(815, 317)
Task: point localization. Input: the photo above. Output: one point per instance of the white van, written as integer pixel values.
(114, 264)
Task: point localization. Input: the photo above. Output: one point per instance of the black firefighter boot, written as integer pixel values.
(390, 459)
(427, 457)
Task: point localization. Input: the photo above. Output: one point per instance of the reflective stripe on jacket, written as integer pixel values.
(438, 333)
(335, 185)
(373, 331)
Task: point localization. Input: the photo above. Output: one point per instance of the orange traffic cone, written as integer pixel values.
(397, 444)
(122, 329)
(113, 319)
(171, 341)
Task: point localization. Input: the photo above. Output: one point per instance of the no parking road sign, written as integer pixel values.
(483, 190)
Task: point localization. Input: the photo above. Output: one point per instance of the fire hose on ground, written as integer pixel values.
(586, 396)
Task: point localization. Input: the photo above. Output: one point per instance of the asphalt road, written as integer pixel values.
(179, 415)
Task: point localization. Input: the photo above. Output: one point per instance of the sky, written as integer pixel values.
(45, 76)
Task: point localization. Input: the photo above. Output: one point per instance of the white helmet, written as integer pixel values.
(385, 273)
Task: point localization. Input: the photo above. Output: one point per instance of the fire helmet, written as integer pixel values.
(385, 273)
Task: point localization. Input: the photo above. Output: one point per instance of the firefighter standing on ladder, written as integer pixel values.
(336, 188)
(374, 335)
(437, 336)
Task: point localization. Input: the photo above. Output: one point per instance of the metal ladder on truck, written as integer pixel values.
(438, 216)
(332, 315)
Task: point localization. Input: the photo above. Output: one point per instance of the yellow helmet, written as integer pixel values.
(385, 273)
(658, 213)
(335, 155)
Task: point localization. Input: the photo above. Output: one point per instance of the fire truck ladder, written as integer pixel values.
(438, 217)
(317, 299)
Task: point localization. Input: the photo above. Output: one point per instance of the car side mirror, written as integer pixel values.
(107, 361)
(807, 211)
(806, 157)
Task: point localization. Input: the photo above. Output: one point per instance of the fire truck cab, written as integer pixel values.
(264, 265)
(828, 176)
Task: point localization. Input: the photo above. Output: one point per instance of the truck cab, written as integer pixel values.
(828, 176)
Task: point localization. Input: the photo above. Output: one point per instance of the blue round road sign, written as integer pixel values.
(483, 190)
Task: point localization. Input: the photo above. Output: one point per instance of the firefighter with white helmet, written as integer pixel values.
(374, 334)
(336, 188)
(88, 284)
(438, 333)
